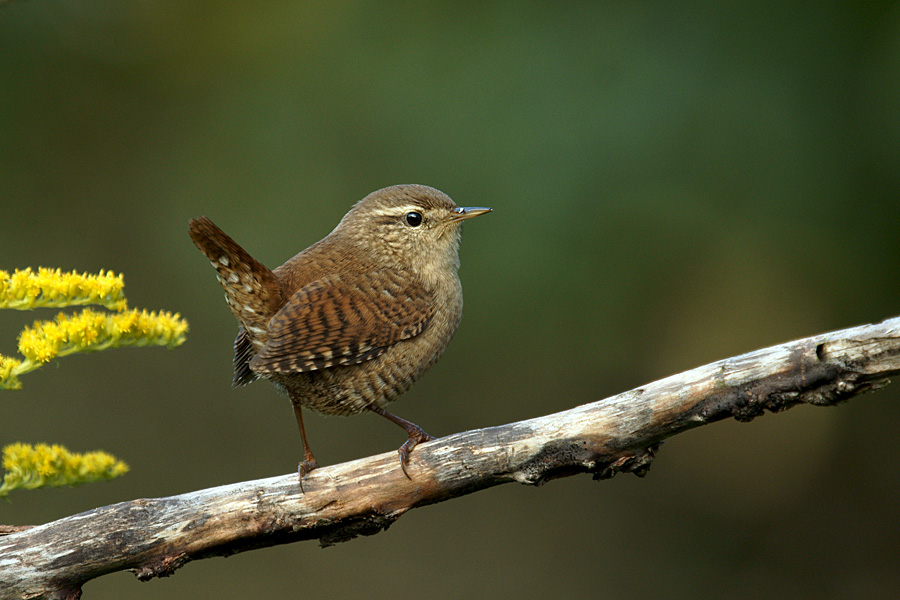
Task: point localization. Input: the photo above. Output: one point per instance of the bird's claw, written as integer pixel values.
(304, 468)
(415, 436)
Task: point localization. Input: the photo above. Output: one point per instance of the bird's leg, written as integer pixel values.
(309, 461)
(416, 435)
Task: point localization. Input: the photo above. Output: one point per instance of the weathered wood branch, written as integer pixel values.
(154, 537)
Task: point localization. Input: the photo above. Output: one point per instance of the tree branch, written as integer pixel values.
(154, 537)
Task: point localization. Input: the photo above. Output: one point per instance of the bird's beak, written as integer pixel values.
(467, 212)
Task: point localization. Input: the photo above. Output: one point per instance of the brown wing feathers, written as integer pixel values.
(329, 323)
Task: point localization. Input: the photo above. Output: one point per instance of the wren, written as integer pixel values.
(349, 324)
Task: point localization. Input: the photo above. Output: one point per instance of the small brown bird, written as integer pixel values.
(351, 322)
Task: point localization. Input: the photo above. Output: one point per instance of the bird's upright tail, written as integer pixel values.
(251, 289)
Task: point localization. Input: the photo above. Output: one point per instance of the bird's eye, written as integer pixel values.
(413, 219)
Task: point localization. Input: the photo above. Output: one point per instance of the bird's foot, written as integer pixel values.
(416, 435)
(304, 468)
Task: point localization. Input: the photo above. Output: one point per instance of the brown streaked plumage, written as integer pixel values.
(351, 322)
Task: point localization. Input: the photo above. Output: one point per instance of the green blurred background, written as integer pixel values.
(673, 184)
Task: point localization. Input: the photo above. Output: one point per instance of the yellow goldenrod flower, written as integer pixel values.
(29, 467)
(25, 289)
(90, 331)
(8, 378)
(87, 331)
